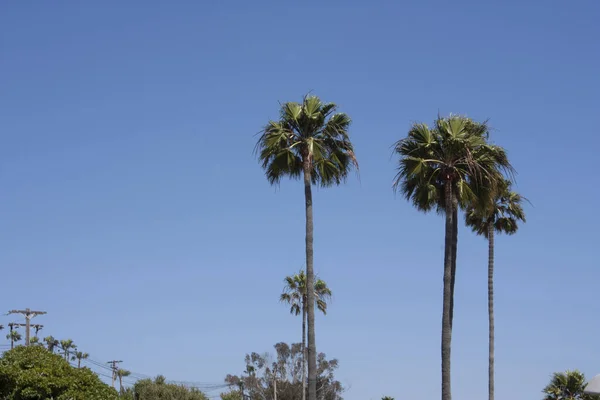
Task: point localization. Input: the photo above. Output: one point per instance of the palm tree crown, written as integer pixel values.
(454, 151)
(309, 134)
(567, 385)
(502, 213)
(294, 293)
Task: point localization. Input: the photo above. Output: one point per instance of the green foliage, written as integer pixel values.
(294, 293)
(29, 373)
(567, 385)
(159, 389)
(454, 151)
(502, 213)
(231, 395)
(308, 134)
(387, 398)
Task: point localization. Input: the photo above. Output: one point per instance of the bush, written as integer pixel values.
(33, 373)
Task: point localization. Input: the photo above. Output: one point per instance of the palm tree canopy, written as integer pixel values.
(310, 131)
(123, 373)
(454, 151)
(567, 385)
(294, 293)
(14, 336)
(503, 212)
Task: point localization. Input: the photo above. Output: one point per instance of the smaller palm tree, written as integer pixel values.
(14, 336)
(122, 373)
(501, 211)
(67, 346)
(51, 342)
(567, 385)
(34, 341)
(295, 294)
(79, 356)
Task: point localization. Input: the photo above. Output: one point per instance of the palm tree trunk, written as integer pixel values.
(491, 310)
(310, 284)
(447, 300)
(304, 349)
(454, 252)
(121, 384)
(78, 362)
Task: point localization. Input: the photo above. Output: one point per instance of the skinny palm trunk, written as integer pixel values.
(304, 349)
(79, 363)
(310, 284)
(447, 300)
(491, 310)
(454, 251)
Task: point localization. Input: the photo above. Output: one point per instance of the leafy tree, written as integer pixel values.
(309, 140)
(66, 346)
(158, 389)
(286, 370)
(501, 215)
(34, 341)
(35, 373)
(387, 398)
(79, 356)
(443, 168)
(294, 294)
(51, 342)
(567, 385)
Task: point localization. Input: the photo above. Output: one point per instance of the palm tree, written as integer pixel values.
(34, 340)
(443, 168)
(51, 342)
(294, 294)
(79, 356)
(14, 336)
(567, 385)
(122, 373)
(67, 346)
(502, 215)
(310, 140)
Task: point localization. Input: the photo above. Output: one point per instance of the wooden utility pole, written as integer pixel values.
(37, 328)
(28, 315)
(115, 368)
(275, 382)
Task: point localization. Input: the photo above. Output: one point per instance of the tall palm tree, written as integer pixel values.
(51, 342)
(67, 345)
(310, 140)
(443, 168)
(122, 373)
(567, 385)
(14, 336)
(501, 215)
(79, 356)
(294, 294)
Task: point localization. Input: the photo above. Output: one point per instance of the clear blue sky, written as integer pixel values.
(133, 210)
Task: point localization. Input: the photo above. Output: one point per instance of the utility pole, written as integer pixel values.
(275, 382)
(37, 328)
(28, 315)
(115, 368)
